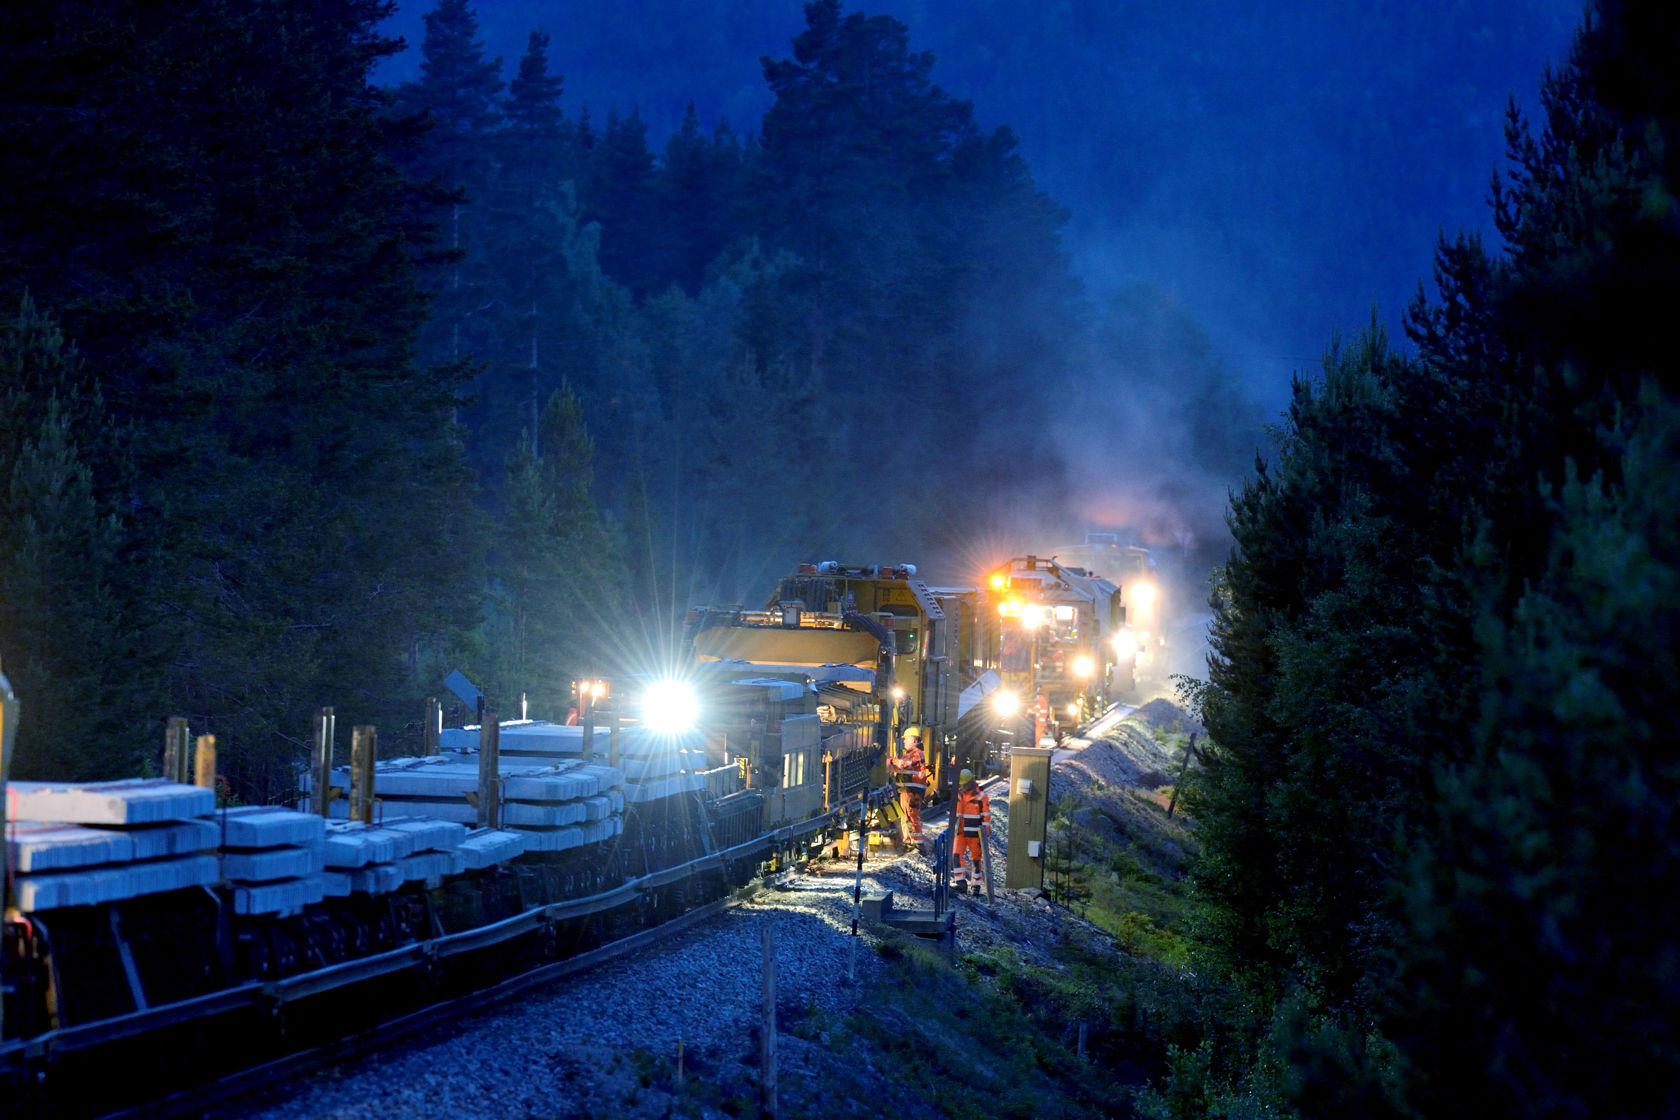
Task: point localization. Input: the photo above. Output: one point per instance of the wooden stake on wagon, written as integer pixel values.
(364, 745)
(489, 770)
(204, 763)
(320, 783)
(176, 741)
(434, 727)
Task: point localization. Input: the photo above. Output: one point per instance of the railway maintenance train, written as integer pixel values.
(1140, 639)
(150, 927)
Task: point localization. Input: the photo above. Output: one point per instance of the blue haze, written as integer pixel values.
(1278, 169)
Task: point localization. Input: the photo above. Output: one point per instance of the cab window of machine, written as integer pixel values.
(798, 767)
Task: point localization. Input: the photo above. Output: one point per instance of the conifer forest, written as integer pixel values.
(331, 363)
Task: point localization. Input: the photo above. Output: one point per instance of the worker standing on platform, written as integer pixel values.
(910, 767)
(970, 816)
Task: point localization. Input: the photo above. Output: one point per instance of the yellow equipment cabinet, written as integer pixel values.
(1029, 814)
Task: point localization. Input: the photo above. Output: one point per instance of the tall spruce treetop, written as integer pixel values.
(458, 86)
(532, 104)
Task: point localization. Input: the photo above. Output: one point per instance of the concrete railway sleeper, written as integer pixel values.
(181, 1054)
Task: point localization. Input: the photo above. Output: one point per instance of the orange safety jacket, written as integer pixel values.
(972, 810)
(911, 770)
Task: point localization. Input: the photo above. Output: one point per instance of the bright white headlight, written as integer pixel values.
(1142, 595)
(669, 706)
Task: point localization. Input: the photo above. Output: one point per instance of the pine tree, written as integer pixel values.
(619, 194)
(236, 264)
(918, 238)
(1537, 975)
(458, 88)
(699, 182)
(532, 106)
(535, 147)
(1319, 689)
(1449, 624)
(555, 580)
(857, 137)
(69, 645)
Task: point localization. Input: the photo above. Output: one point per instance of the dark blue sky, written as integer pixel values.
(1280, 169)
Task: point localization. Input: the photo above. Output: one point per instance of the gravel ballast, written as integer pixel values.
(586, 1047)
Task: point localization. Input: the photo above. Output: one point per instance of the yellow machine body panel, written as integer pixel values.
(786, 646)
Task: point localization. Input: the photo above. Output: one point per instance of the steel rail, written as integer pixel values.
(186, 1102)
(39, 1050)
(279, 992)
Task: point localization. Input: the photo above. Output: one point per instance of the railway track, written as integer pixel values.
(607, 1042)
(72, 1065)
(210, 1096)
(186, 1090)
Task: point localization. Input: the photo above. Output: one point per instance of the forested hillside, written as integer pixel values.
(1438, 814)
(1278, 168)
(231, 491)
(317, 389)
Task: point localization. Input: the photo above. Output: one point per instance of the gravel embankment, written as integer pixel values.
(585, 1049)
(1128, 755)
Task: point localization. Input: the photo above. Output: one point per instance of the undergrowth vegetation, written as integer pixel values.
(1118, 1008)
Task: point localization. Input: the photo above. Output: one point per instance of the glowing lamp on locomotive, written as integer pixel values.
(1140, 599)
(669, 706)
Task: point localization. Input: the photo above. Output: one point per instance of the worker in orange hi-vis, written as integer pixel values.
(1041, 719)
(970, 816)
(910, 768)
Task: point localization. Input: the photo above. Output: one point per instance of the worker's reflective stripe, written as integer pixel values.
(912, 771)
